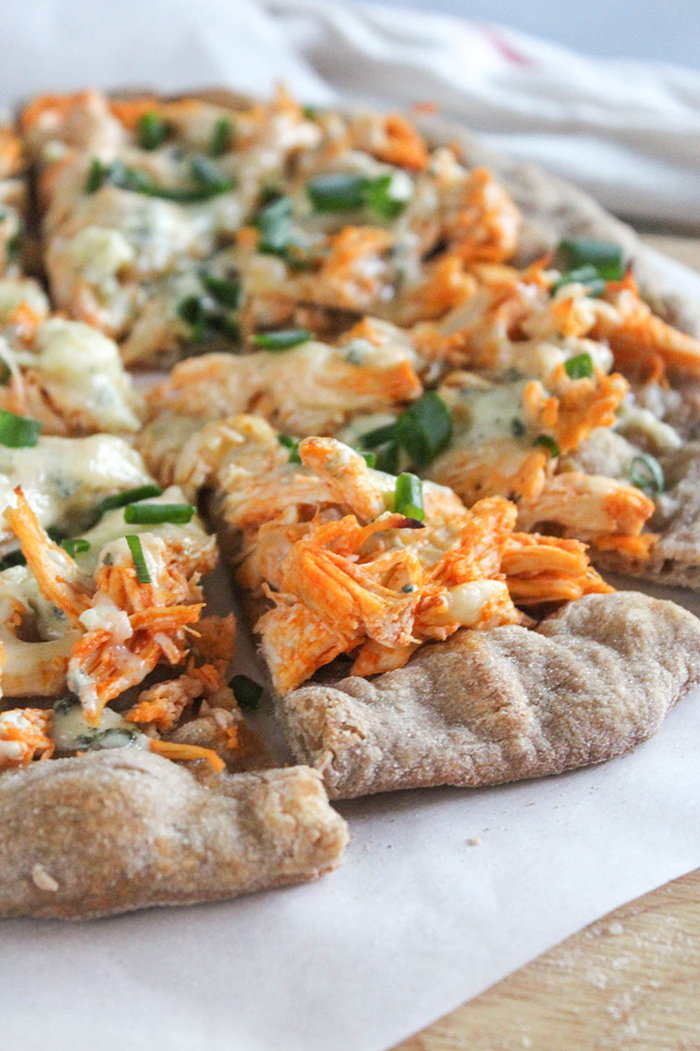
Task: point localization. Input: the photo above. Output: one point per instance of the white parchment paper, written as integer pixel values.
(419, 918)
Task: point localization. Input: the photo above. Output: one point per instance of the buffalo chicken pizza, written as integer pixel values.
(424, 397)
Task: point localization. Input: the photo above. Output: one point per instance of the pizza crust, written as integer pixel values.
(124, 829)
(483, 708)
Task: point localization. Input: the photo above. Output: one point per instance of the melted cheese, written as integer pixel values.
(87, 371)
(64, 478)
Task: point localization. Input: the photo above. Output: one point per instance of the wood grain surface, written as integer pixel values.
(629, 982)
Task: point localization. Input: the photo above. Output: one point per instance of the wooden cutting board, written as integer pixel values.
(630, 982)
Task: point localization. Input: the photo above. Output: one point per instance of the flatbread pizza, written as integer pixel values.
(426, 397)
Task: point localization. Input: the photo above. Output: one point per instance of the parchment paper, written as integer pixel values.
(443, 892)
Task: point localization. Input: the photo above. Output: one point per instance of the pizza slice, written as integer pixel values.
(409, 640)
(111, 676)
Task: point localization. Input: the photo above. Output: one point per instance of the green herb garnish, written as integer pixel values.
(647, 474)
(408, 496)
(580, 367)
(424, 429)
(547, 443)
(606, 258)
(18, 432)
(584, 275)
(142, 574)
(344, 192)
(293, 445)
(210, 182)
(77, 546)
(129, 496)
(157, 514)
(222, 137)
(283, 339)
(151, 131)
(227, 293)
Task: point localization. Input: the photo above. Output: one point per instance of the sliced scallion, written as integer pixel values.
(408, 496)
(369, 458)
(18, 432)
(142, 574)
(343, 192)
(424, 429)
(222, 137)
(156, 514)
(579, 367)
(293, 445)
(227, 293)
(647, 474)
(76, 546)
(575, 252)
(548, 443)
(246, 691)
(283, 339)
(129, 496)
(379, 200)
(337, 191)
(210, 177)
(151, 131)
(5, 373)
(583, 275)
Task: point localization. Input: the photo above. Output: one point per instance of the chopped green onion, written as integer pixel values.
(343, 192)
(129, 496)
(210, 181)
(142, 574)
(293, 445)
(210, 177)
(579, 367)
(14, 558)
(273, 222)
(75, 547)
(647, 474)
(547, 443)
(584, 275)
(310, 112)
(517, 427)
(227, 293)
(379, 200)
(222, 137)
(575, 252)
(96, 176)
(5, 373)
(18, 432)
(246, 692)
(369, 458)
(192, 310)
(408, 496)
(337, 192)
(156, 514)
(387, 458)
(151, 131)
(283, 339)
(424, 429)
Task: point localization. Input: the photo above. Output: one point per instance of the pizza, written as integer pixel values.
(425, 398)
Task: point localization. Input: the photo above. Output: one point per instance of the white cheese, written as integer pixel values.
(65, 478)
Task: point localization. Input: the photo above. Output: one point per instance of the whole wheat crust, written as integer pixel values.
(124, 829)
(588, 684)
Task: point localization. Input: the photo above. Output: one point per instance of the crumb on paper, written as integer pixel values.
(615, 928)
(474, 841)
(43, 880)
